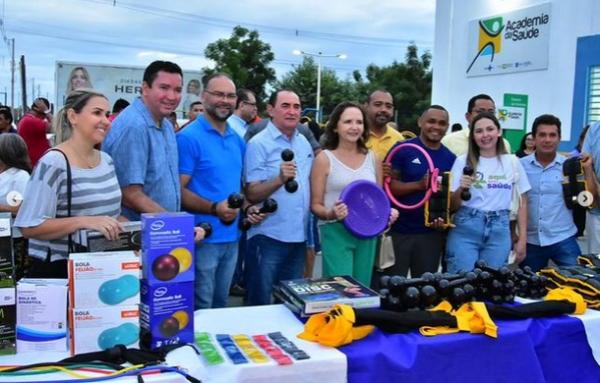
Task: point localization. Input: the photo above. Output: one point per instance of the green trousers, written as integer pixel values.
(345, 254)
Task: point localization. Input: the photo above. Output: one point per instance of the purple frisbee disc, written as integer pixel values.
(368, 208)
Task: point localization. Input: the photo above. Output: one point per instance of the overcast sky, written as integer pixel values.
(136, 32)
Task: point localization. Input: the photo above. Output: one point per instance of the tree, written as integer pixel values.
(303, 80)
(245, 58)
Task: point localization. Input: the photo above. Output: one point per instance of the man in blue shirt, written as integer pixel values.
(279, 243)
(551, 232)
(211, 157)
(418, 248)
(142, 144)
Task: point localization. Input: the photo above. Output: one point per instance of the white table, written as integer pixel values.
(325, 364)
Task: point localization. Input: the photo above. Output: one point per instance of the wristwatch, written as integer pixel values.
(213, 208)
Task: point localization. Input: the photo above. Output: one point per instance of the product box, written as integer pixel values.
(166, 314)
(167, 247)
(129, 239)
(104, 279)
(42, 315)
(8, 321)
(100, 328)
(6, 252)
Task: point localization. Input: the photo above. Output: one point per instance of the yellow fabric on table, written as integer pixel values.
(471, 316)
(567, 294)
(335, 327)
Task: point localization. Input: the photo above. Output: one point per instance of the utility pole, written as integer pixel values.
(23, 83)
(12, 74)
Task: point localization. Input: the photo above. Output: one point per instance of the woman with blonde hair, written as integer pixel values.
(73, 187)
(78, 78)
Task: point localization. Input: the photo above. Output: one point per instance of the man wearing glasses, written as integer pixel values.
(211, 156)
(245, 111)
(458, 142)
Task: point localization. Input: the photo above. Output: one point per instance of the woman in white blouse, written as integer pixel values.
(14, 172)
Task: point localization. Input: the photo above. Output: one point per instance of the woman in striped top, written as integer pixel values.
(81, 126)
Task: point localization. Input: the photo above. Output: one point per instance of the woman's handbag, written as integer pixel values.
(386, 256)
(515, 201)
(57, 269)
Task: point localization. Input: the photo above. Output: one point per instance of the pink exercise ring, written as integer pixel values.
(433, 185)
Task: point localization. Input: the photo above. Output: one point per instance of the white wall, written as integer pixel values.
(550, 90)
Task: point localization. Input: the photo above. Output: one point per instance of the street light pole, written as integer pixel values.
(318, 89)
(319, 55)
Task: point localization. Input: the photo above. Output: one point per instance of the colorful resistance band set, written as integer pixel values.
(241, 348)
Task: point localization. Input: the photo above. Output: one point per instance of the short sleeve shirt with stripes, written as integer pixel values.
(95, 192)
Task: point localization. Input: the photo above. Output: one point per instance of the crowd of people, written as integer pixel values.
(104, 170)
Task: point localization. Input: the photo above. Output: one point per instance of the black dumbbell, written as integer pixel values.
(429, 296)
(458, 297)
(411, 297)
(290, 185)
(207, 229)
(503, 273)
(465, 195)
(269, 206)
(234, 201)
(396, 284)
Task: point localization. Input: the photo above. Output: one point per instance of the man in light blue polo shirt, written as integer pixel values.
(278, 244)
(211, 157)
(142, 144)
(551, 231)
(591, 150)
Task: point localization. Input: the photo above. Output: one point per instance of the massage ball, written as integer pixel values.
(165, 267)
(125, 334)
(115, 291)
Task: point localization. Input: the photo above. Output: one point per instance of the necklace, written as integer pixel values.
(87, 164)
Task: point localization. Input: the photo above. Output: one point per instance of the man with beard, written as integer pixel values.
(142, 144)
(380, 110)
(418, 248)
(211, 157)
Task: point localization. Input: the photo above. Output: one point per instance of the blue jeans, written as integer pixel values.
(239, 274)
(215, 264)
(478, 235)
(269, 261)
(563, 253)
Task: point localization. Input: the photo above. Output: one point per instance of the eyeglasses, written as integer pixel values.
(478, 111)
(229, 96)
(249, 103)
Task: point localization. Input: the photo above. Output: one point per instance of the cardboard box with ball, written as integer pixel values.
(167, 247)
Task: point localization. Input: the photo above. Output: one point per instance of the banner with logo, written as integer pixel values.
(116, 82)
(516, 41)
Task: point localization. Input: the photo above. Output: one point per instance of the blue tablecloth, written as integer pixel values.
(526, 351)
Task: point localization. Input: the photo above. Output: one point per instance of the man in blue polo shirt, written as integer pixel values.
(551, 232)
(211, 156)
(418, 248)
(142, 144)
(278, 244)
